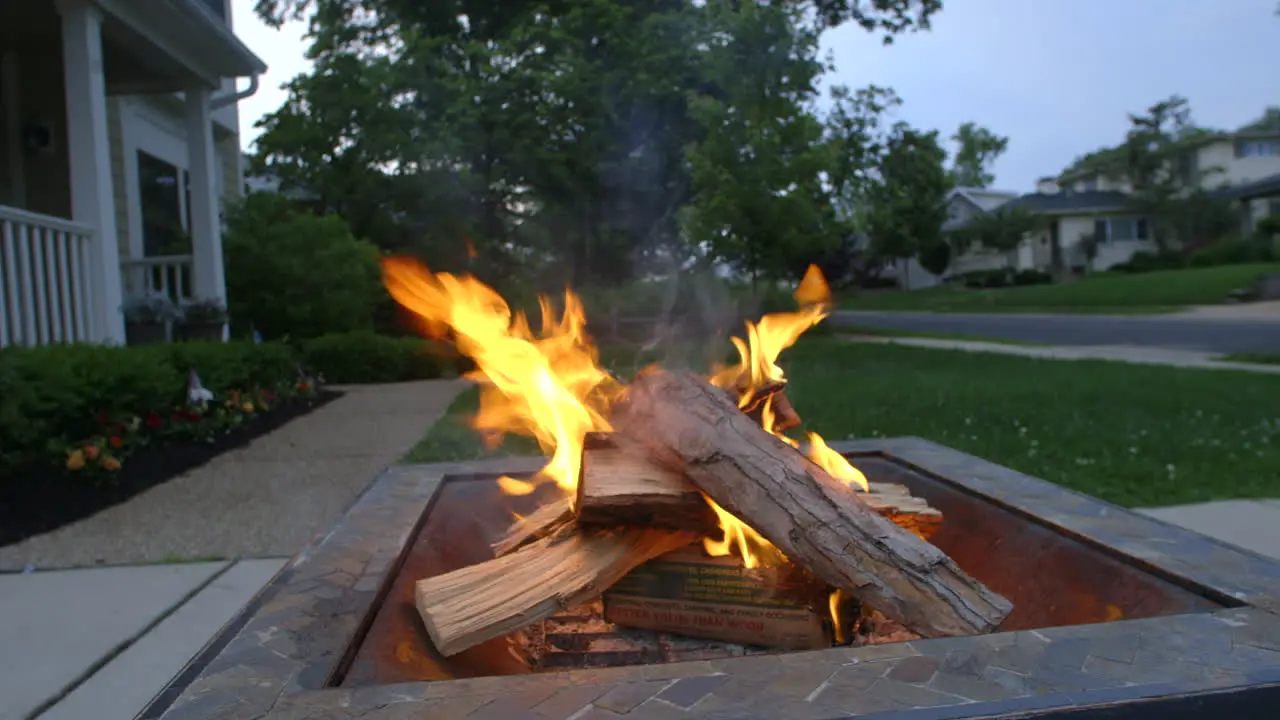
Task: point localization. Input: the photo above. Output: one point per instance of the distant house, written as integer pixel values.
(1216, 159)
(1243, 167)
(268, 181)
(963, 204)
(1071, 218)
(1254, 200)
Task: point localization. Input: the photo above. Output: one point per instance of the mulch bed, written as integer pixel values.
(40, 499)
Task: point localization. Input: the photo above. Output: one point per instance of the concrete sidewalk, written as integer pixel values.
(100, 643)
(1140, 355)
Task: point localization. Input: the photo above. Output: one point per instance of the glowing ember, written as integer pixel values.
(549, 385)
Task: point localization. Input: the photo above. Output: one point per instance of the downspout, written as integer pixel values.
(235, 96)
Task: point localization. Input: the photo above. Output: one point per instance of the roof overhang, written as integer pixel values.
(189, 34)
(1266, 187)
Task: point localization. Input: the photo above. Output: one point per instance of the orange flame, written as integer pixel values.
(549, 385)
(756, 369)
(835, 463)
(758, 354)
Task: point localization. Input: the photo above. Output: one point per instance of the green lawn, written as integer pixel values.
(1262, 358)
(1152, 292)
(1134, 435)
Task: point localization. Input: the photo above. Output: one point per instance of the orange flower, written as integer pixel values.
(75, 460)
(116, 441)
(91, 452)
(110, 464)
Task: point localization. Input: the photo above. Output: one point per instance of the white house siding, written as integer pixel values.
(1235, 170)
(154, 125)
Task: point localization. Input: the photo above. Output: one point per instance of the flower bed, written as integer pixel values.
(83, 428)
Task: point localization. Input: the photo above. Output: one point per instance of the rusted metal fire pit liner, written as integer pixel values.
(279, 657)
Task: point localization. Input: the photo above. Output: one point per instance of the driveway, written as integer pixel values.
(1184, 332)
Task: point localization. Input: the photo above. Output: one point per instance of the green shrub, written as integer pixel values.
(292, 274)
(53, 395)
(1233, 251)
(364, 357)
(1143, 261)
(984, 279)
(1032, 277)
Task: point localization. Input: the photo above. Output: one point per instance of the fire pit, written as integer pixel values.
(1115, 615)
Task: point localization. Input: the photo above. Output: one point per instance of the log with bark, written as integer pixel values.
(465, 607)
(692, 427)
(621, 485)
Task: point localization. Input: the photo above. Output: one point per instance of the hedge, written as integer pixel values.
(363, 357)
(56, 396)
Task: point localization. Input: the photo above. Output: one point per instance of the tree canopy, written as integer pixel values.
(591, 141)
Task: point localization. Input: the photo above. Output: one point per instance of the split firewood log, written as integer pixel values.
(463, 608)
(621, 486)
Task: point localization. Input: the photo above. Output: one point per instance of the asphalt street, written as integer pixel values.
(1164, 331)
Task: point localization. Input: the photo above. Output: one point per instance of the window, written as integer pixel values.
(1121, 229)
(1087, 185)
(1258, 148)
(165, 196)
(1273, 208)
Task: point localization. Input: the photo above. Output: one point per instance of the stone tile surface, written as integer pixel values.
(58, 624)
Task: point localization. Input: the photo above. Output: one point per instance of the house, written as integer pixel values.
(963, 204)
(1083, 204)
(120, 142)
(1073, 219)
(1254, 200)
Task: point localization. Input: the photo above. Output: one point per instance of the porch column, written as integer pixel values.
(89, 160)
(208, 279)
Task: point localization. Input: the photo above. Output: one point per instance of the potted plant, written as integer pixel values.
(202, 320)
(146, 318)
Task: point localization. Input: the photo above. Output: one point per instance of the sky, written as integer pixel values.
(1057, 77)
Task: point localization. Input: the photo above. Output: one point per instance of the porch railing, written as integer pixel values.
(163, 274)
(46, 279)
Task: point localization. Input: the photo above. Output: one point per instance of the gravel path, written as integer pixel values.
(264, 500)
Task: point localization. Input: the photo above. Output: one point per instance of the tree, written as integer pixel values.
(573, 140)
(976, 150)
(756, 174)
(1157, 165)
(907, 202)
(1001, 229)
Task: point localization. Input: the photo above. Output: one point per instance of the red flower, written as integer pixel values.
(267, 394)
(154, 421)
(103, 419)
(116, 441)
(302, 387)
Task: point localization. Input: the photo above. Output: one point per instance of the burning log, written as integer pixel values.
(811, 517)
(540, 523)
(772, 395)
(620, 485)
(896, 503)
(476, 603)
